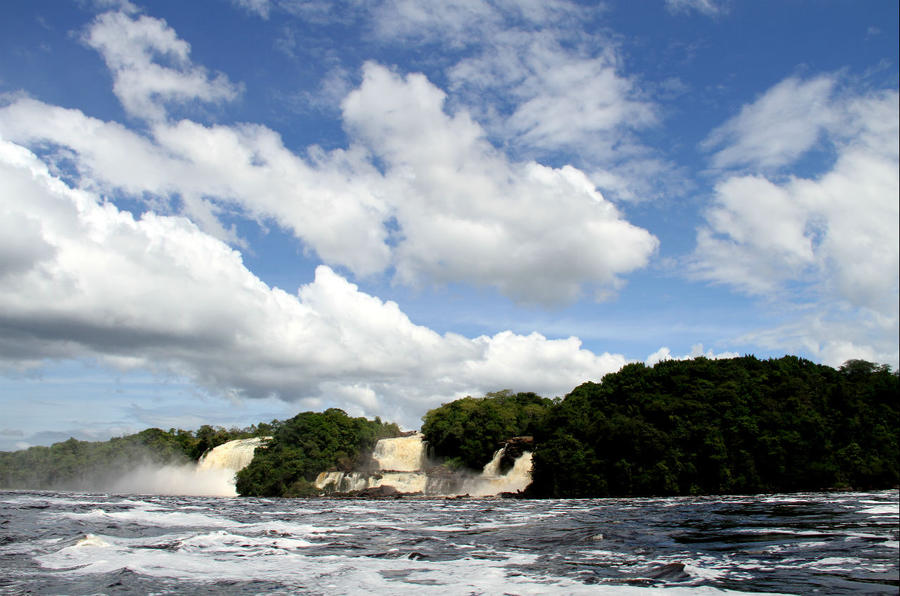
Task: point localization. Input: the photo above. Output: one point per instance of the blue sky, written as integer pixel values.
(230, 211)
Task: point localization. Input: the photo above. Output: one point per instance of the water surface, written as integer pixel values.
(68, 543)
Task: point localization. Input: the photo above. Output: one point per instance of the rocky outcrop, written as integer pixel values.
(513, 449)
(385, 491)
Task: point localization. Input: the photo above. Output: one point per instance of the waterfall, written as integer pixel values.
(345, 482)
(233, 455)
(342, 482)
(492, 482)
(400, 454)
(213, 475)
(401, 463)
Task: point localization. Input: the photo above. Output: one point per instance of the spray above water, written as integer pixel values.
(212, 476)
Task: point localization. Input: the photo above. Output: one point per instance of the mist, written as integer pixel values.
(178, 479)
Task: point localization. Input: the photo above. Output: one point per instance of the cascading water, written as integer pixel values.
(401, 463)
(492, 482)
(233, 455)
(400, 454)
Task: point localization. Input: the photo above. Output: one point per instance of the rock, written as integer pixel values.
(513, 450)
(510, 495)
(385, 491)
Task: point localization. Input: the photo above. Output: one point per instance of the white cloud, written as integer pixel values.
(828, 243)
(158, 293)
(465, 212)
(259, 7)
(563, 100)
(697, 351)
(542, 85)
(327, 203)
(780, 126)
(707, 7)
(151, 66)
(833, 334)
(456, 21)
(468, 213)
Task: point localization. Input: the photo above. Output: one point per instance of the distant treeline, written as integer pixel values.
(701, 426)
(81, 465)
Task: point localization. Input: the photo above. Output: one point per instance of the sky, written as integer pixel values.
(230, 211)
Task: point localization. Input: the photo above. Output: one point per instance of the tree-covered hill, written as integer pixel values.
(467, 432)
(307, 444)
(740, 425)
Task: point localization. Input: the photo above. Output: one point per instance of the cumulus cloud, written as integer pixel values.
(467, 212)
(531, 74)
(833, 334)
(158, 293)
(829, 242)
(464, 211)
(697, 351)
(151, 66)
(326, 202)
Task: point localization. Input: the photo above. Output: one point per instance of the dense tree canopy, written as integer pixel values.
(740, 425)
(304, 446)
(469, 430)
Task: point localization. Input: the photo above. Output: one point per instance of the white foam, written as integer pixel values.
(149, 516)
(704, 572)
(882, 510)
(91, 541)
(223, 555)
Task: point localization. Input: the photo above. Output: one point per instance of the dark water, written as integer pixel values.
(65, 543)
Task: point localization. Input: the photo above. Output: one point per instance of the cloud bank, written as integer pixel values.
(418, 190)
(89, 280)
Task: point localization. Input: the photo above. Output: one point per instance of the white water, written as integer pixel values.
(404, 482)
(400, 454)
(212, 476)
(492, 482)
(186, 480)
(70, 543)
(233, 455)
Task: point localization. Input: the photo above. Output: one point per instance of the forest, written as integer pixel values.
(740, 425)
(731, 426)
(689, 427)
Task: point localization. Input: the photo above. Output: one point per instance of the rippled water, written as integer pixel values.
(66, 543)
